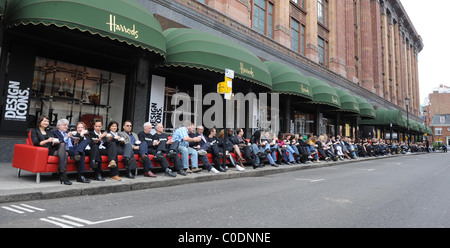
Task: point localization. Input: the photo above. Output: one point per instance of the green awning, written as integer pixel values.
(197, 49)
(403, 122)
(385, 117)
(123, 20)
(348, 102)
(287, 80)
(413, 125)
(366, 110)
(323, 93)
(429, 131)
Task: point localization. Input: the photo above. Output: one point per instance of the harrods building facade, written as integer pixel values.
(339, 66)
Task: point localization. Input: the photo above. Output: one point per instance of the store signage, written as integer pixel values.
(246, 70)
(334, 100)
(115, 27)
(17, 99)
(156, 108)
(303, 89)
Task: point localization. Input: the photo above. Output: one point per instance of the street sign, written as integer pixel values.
(226, 87)
(223, 88)
(229, 73)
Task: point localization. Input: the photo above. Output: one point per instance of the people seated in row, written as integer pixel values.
(194, 143)
(162, 148)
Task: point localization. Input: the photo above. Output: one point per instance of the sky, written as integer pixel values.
(431, 20)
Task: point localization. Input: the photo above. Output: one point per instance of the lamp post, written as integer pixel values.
(426, 137)
(425, 112)
(407, 119)
(425, 115)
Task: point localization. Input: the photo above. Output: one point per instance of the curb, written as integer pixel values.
(141, 183)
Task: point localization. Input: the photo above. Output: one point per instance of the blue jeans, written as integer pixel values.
(185, 152)
(311, 147)
(270, 156)
(291, 153)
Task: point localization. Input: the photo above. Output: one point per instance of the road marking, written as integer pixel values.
(56, 223)
(368, 169)
(23, 208)
(13, 210)
(65, 221)
(97, 222)
(35, 208)
(75, 222)
(309, 180)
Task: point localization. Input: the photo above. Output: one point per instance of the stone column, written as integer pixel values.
(385, 41)
(393, 57)
(336, 22)
(311, 48)
(350, 40)
(281, 21)
(376, 38)
(367, 73)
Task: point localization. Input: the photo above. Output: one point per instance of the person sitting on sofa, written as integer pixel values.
(41, 136)
(74, 145)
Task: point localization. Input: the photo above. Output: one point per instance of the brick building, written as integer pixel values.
(441, 128)
(371, 43)
(438, 113)
(112, 60)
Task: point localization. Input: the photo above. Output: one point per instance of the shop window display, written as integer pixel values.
(75, 92)
(303, 123)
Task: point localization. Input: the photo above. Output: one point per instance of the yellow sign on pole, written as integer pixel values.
(222, 88)
(226, 86)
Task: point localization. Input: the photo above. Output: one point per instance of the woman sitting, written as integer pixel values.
(229, 147)
(41, 136)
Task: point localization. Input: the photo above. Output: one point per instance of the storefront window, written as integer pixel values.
(329, 127)
(77, 93)
(303, 123)
(174, 102)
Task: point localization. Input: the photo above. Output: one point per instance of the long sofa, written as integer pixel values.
(36, 160)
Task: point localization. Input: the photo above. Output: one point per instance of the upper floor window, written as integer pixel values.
(322, 12)
(323, 52)
(442, 119)
(300, 3)
(263, 17)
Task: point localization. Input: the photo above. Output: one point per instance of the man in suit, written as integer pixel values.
(101, 147)
(130, 137)
(74, 147)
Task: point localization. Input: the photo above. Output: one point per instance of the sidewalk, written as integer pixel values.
(25, 188)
